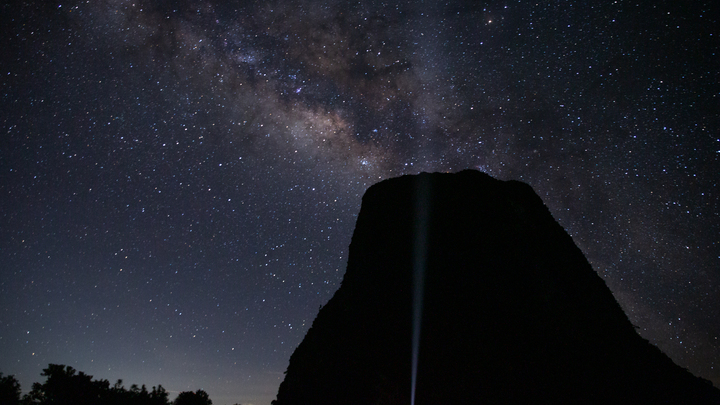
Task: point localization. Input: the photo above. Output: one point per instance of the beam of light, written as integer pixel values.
(422, 202)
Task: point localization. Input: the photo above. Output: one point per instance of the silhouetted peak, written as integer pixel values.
(507, 308)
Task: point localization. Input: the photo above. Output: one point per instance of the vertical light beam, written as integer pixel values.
(422, 208)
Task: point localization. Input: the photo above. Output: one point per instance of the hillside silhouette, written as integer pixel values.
(510, 310)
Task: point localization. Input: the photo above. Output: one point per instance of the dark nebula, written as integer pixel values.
(180, 179)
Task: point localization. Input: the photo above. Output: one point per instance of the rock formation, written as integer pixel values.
(511, 311)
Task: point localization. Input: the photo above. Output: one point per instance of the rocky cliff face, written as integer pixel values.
(511, 310)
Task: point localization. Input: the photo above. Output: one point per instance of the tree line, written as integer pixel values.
(64, 386)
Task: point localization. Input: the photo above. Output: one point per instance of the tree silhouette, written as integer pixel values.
(198, 397)
(158, 396)
(65, 386)
(9, 390)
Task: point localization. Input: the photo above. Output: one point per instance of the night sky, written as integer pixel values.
(179, 180)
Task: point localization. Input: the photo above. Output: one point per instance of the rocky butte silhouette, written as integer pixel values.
(508, 310)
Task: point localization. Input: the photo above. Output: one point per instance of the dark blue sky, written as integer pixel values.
(179, 181)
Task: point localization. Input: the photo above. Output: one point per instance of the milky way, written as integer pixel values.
(180, 180)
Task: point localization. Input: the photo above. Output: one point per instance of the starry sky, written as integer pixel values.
(179, 180)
